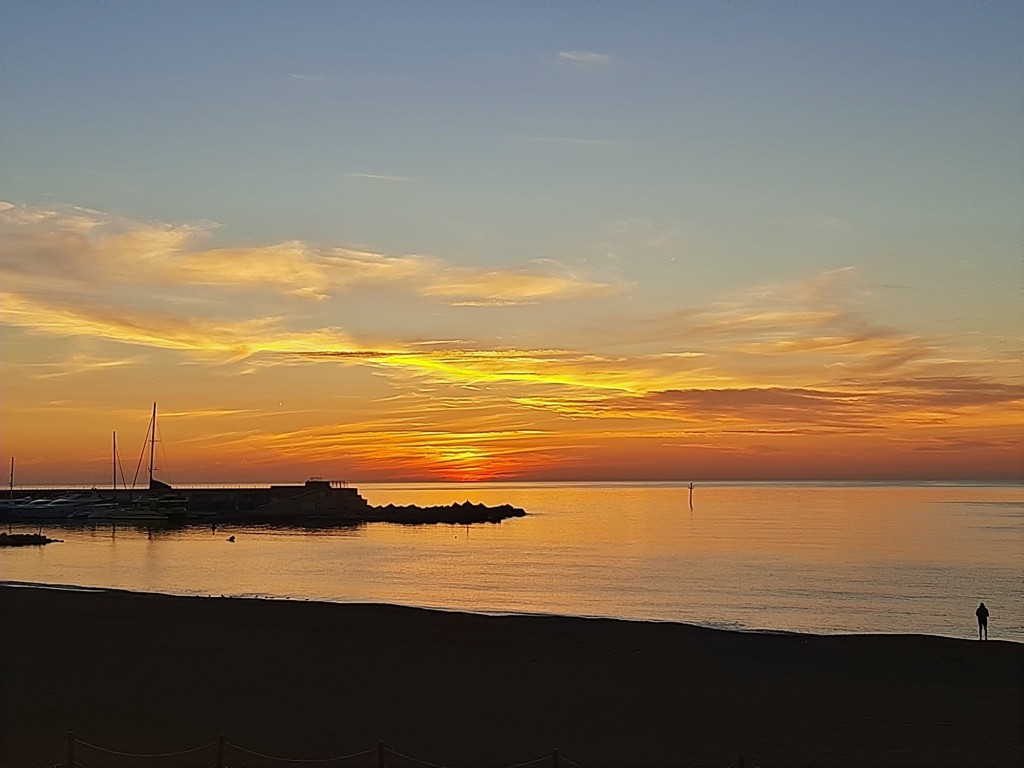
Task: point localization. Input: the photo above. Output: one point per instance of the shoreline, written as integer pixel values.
(4, 583)
(146, 673)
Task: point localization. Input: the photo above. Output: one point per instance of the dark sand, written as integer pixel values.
(148, 673)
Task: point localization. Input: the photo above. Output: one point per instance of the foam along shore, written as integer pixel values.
(148, 674)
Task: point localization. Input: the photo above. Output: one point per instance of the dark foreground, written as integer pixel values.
(148, 674)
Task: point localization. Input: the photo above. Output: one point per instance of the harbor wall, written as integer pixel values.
(312, 497)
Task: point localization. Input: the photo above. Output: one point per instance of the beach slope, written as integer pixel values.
(149, 674)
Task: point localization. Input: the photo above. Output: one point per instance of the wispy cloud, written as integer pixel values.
(87, 251)
(382, 177)
(80, 273)
(65, 317)
(77, 365)
(489, 303)
(813, 328)
(584, 58)
(568, 141)
(533, 281)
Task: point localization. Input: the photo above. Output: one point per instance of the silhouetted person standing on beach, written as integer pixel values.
(982, 614)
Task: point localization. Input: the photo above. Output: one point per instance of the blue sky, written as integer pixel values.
(660, 157)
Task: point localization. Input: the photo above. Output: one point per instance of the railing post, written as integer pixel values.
(70, 751)
(556, 761)
(220, 752)
(380, 754)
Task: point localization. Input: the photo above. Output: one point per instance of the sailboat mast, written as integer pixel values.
(113, 461)
(12, 477)
(152, 444)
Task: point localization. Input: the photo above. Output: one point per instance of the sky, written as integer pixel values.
(458, 241)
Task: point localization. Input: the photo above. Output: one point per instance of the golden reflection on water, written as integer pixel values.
(825, 524)
(797, 557)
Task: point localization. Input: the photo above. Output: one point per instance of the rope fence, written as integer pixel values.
(378, 756)
(160, 754)
(529, 762)
(374, 757)
(299, 759)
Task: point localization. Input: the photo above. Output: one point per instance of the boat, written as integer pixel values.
(59, 508)
(71, 506)
(100, 509)
(163, 508)
(160, 503)
(13, 507)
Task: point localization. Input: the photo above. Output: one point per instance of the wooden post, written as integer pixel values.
(220, 752)
(555, 759)
(71, 750)
(380, 754)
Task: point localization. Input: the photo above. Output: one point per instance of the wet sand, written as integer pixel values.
(149, 674)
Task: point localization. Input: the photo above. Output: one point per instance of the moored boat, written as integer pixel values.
(162, 508)
(160, 503)
(60, 508)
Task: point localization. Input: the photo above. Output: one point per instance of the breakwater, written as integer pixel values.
(315, 503)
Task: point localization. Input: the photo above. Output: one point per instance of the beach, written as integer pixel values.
(145, 673)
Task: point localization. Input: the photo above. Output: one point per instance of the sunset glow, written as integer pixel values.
(561, 256)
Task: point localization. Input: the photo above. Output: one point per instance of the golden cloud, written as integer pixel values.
(58, 316)
(799, 359)
(89, 250)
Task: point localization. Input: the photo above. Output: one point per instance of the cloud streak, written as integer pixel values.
(457, 391)
(382, 177)
(584, 58)
(86, 251)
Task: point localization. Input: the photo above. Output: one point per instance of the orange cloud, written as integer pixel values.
(437, 389)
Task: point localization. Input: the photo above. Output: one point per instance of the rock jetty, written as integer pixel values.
(24, 539)
(464, 513)
(321, 503)
(459, 513)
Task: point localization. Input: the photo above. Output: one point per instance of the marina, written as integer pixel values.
(314, 503)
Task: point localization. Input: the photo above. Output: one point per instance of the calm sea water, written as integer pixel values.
(794, 557)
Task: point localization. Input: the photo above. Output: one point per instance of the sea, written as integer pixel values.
(824, 558)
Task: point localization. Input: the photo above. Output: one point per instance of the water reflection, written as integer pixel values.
(807, 558)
